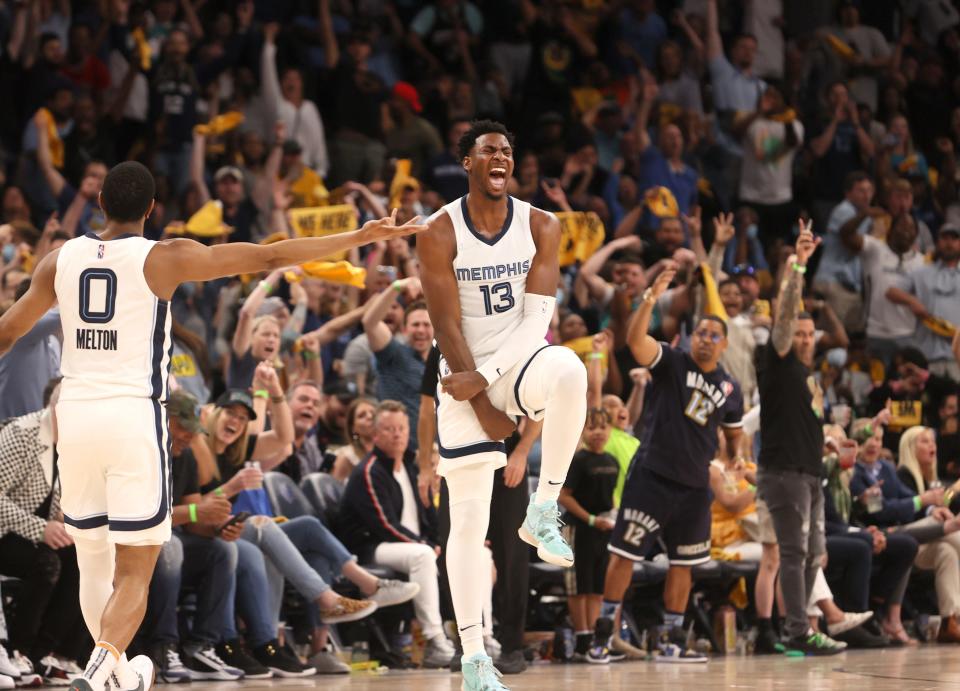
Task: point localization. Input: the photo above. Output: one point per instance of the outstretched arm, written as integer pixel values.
(791, 291)
(179, 260)
(643, 346)
(437, 249)
(26, 311)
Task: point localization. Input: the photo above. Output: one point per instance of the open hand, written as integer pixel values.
(386, 228)
(662, 282)
(723, 228)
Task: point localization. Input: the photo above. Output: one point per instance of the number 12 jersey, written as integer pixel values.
(116, 331)
(491, 275)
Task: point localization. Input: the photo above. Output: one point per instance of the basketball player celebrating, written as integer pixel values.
(489, 272)
(114, 291)
(667, 492)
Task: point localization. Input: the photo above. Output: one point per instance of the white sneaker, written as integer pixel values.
(438, 652)
(73, 669)
(146, 670)
(7, 682)
(492, 647)
(391, 592)
(53, 673)
(7, 668)
(851, 620)
(28, 677)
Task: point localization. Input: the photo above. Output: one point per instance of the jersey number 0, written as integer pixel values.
(504, 294)
(98, 295)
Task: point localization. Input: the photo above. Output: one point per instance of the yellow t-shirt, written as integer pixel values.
(725, 528)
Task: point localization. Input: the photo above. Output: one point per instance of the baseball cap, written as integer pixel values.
(408, 92)
(228, 171)
(292, 146)
(951, 228)
(183, 406)
(344, 391)
(237, 397)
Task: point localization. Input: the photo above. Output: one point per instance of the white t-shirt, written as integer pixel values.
(762, 180)
(409, 518)
(758, 21)
(882, 269)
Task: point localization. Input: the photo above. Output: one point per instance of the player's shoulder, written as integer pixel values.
(539, 218)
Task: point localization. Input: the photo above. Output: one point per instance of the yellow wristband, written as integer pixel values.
(261, 393)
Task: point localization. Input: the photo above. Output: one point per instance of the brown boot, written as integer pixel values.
(949, 630)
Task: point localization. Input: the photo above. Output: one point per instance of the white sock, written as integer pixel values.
(467, 570)
(96, 560)
(101, 664)
(556, 382)
(124, 677)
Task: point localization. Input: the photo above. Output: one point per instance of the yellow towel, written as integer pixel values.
(711, 295)
(840, 47)
(206, 223)
(401, 180)
(661, 202)
(335, 272)
(143, 48)
(53, 139)
(220, 124)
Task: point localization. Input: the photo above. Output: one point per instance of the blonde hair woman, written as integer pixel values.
(921, 515)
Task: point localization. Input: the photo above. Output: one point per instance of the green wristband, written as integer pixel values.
(592, 520)
(261, 393)
(218, 491)
(917, 503)
(595, 356)
(310, 355)
(799, 268)
(397, 285)
(193, 512)
(267, 287)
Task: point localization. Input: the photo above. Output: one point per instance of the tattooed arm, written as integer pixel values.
(791, 290)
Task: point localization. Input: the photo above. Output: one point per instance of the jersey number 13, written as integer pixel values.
(502, 293)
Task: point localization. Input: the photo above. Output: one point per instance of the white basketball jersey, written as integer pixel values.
(116, 332)
(491, 275)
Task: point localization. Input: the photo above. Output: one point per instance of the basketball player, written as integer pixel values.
(489, 273)
(114, 291)
(666, 497)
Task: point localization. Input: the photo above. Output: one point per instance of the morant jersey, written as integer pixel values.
(116, 332)
(491, 275)
(683, 408)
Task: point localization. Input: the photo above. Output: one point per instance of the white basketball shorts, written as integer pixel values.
(114, 465)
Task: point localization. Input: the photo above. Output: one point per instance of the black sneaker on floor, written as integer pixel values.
(861, 637)
(599, 653)
(768, 643)
(233, 654)
(456, 664)
(513, 662)
(815, 643)
(281, 661)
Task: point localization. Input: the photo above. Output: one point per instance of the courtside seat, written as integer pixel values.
(739, 569)
(285, 497)
(324, 492)
(710, 571)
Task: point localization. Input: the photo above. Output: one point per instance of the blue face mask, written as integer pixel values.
(9, 251)
(752, 231)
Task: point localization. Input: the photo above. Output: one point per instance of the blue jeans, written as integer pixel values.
(254, 595)
(210, 565)
(301, 551)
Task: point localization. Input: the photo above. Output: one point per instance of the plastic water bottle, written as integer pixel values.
(360, 652)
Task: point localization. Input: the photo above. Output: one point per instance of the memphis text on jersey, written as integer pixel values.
(96, 339)
(487, 273)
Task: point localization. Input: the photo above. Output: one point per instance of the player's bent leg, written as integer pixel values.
(553, 383)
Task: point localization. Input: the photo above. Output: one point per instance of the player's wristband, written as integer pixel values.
(397, 285)
(267, 287)
(193, 512)
(592, 520)
(310, 355)
(261, 393)
(799, 268)
(595, 356)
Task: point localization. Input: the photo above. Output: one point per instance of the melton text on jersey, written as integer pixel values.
(96, 339)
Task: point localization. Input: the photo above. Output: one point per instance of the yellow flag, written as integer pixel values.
(53, 139)
(582, 233)
(320, 221)
(208, 221)
(661, 202)
(143, 48)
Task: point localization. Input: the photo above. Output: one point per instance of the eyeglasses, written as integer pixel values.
(705, 335)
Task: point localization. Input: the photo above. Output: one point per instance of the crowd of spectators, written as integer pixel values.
(697, 131)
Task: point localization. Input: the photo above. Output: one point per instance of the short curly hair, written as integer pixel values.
(478, 128)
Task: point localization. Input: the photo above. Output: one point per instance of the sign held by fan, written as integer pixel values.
(320, 221)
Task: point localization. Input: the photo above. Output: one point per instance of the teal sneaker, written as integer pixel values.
(479, 674)
(541, 529)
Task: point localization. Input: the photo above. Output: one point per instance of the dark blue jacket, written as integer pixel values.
(372, 505)
(898, 504)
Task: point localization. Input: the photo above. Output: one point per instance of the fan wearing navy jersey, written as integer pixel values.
(666, 497)
(114, 292)
(490, 269)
